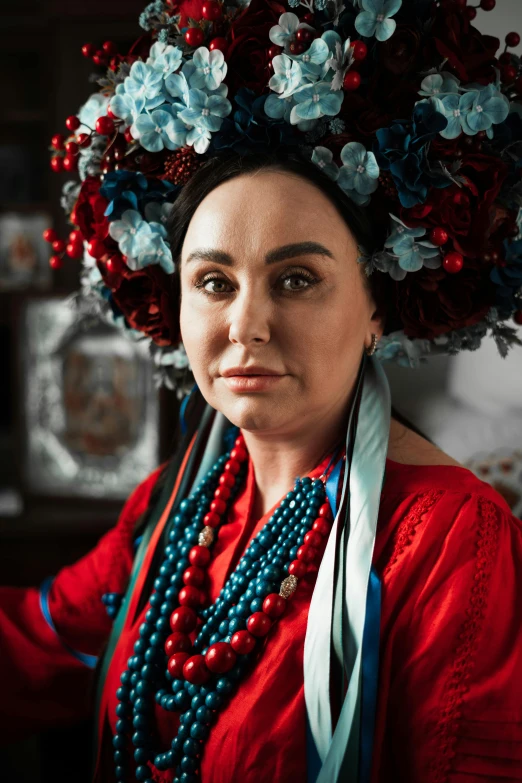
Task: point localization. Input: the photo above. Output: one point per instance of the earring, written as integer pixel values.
(371, 350)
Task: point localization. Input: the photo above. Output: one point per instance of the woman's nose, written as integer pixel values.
(249, 318)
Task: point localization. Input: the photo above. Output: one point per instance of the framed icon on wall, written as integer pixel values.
(90, 409)
(24, 255)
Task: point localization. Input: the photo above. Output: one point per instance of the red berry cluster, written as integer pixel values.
(73, 248)
(106, 55)
(471, 10)
(452, 261)
(221, 656)
(509, 71)
(66, 150)
(212, 11)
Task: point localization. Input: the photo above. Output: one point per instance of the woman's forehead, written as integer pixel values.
(264, 212)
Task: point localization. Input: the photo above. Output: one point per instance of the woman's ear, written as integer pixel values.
(377, 322)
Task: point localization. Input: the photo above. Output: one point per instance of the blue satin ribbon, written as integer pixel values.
(87, 660)
(370, 674)
(369, 662)
(183, 407)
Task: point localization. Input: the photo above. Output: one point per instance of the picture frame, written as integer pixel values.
(24, 254)
(90, 420)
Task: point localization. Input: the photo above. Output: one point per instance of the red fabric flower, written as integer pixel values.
(465, 212)
(89, 210)
(432, 302)
(400, 54)
(247, 55)
(186, 9)
(149, 300)
(470, 54)
(386, 99)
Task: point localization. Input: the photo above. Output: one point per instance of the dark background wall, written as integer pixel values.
(43, 79)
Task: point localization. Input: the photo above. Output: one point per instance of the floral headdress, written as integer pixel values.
(403, 103)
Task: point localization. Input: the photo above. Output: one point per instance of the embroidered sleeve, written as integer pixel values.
(479, 731)
(50, 636)
(451, 688)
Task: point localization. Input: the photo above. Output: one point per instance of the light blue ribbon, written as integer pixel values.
(183, 408)
(340, 601)
(87, 660)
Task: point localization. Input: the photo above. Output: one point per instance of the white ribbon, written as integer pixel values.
(339, 753)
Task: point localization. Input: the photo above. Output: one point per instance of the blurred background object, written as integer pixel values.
(80, 421)
(90, 408)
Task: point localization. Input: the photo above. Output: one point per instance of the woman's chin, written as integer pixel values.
(255, 413)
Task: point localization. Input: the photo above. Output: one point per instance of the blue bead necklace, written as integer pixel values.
(265, 577)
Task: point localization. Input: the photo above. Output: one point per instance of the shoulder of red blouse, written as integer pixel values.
(449, 552)
(41, 681)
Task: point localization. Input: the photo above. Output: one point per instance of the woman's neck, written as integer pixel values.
(277, 463)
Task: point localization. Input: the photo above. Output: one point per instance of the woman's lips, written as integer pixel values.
(252, 383)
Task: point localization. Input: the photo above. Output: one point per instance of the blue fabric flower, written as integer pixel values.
(410, 251)
(159, 130)
(93, 108)
(129, 232)
(416, 255)
(508, 279)
(278, 108)
(400, 349)
(288, 76)
(454, 108)
(123, 189)
(398, 239)
(205, 111)
(178, 87)
(323, 159)
(400, 149)
(144, 82)
(313, 61)
(124, 106)
(484, 108)
(284, 32)
(158, 213)
(473, 111)
(152, 249)
(375, 18)
(199, 138)
(116, 182)
(359, 172)
(164, 58)
(210, 68)
(436, 84)
(314, 101)
(251, 126)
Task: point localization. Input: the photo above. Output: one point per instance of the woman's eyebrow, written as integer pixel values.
(272, 257)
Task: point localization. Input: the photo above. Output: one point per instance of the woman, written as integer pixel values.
(318, 593)
(446, 546)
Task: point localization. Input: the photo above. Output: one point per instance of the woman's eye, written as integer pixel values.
(298, 281)
(214, 280)
(298, 276)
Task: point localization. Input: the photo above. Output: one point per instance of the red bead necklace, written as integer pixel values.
(220, 657)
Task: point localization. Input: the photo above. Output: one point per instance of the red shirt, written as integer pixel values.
(449, 553)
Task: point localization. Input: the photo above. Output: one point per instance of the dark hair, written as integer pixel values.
(369, 233)
(227, 164)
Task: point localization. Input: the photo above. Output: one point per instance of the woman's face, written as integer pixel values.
(302, 313)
